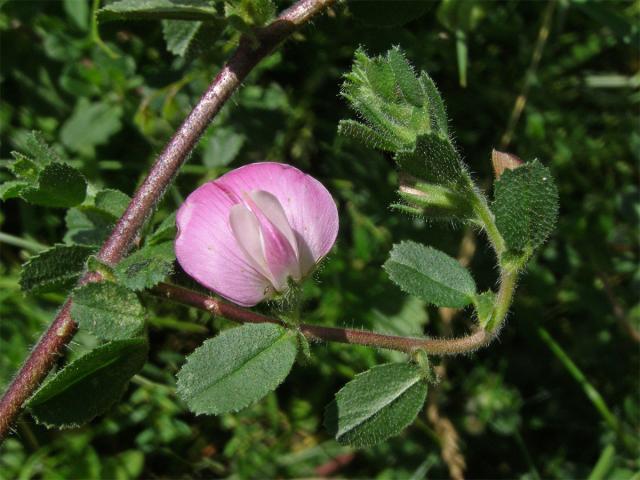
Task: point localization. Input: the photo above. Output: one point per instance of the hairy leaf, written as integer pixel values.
(108, 310)
(237, 368)
(163, 232)
(146, 267)
(434, 160)
(526, 206)
(113, 202)
(430, 274)
(59, 185)
(55, 269)
(88, 386)
(376, 404)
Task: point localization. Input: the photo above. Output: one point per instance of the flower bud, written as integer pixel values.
(502, 161)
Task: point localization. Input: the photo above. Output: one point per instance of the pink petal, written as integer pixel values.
(309, 207)
(209, 252)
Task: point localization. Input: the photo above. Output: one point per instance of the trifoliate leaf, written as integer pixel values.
(376, 404)
(88, 386)
(55, 269)
(430, 274)
(526, 206)
(237, 368)
(146, 267)
(108, 310)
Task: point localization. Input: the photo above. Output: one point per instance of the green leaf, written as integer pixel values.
(88, 225)
(223, 147)
(91, 124)
(108, 310)
(165, 231)
(55, 269)
(245, 14)
(78, 12)
(158, 10)
(178, 35)
(526, 206)
(237, 368)
(430, 274)
(437, 111)
(146, 267)
(39, 150)
(405, 77)
(378, 13)
(376, 404)
(88, 386)
(435, 160)
(366, 135)
(113, 202)
(12, 189)
(59, 185)
(24, 167)
(484, 303)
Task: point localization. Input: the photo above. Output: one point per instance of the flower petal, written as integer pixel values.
(208, 250)
(309, 207)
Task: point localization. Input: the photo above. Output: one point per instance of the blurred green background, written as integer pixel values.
(554, 397)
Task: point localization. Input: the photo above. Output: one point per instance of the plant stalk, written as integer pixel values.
(317, 333)
(248, 54)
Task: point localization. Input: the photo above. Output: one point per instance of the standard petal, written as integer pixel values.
(309, 207)
(208, 251)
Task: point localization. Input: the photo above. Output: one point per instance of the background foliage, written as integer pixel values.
(516, 406)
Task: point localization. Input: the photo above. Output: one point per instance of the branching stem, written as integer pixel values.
(433, 346)
(249, 53)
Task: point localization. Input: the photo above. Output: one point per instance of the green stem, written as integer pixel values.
(30, 245)
(590, 391)
(488, 222)
(508, 279)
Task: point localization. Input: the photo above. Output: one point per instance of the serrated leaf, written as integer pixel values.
(158, 10)
(526, 206)
(107, 310)
(113, 202)
(237, 368)
(12, 189)
(24, 167)
(39, 149)
(434, 160)
(55, 269)
(378, 13)
(146, 267)
(430, 274)
(178, 35)
(88, 386)
(59, 185)
(376, 404)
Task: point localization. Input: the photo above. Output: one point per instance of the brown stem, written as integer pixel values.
(433, 346)
(246, 57)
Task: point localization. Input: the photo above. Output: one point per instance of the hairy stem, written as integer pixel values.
(433, 346)
(245, 58)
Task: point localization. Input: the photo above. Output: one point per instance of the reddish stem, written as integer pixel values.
(249, 53)
(433, 346)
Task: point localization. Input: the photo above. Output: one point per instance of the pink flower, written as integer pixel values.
(246, 233)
